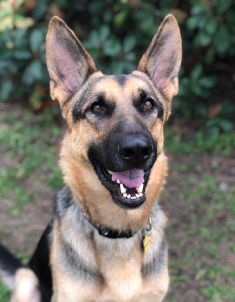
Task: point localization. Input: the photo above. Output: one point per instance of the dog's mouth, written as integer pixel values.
(127, 187)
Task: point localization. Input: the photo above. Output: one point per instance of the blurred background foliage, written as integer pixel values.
(116, 33)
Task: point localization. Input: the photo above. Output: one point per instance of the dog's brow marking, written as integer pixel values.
(121, 79)
(158, 262)
(85, 95)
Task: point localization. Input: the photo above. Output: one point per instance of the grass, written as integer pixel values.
(208, 218)
(202, 232)
(4, 293)
(29, 146)
(202, 223)
(205, 140)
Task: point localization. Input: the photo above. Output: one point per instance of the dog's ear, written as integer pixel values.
(68, 63)
(161, 62)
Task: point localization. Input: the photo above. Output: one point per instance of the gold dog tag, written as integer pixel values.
(146, 242)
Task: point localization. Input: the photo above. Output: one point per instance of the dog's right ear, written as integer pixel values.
(68, 63)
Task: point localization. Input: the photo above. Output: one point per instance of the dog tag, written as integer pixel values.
(146, 242)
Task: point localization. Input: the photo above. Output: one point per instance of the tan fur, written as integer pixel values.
(120, 262)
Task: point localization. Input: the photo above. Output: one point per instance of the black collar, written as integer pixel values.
(111, 233)
(114, 234)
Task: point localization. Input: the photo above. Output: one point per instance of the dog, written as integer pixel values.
(106, 240)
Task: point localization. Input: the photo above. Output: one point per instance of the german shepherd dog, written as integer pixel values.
(106, 240)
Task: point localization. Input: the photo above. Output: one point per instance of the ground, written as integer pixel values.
(199, 199)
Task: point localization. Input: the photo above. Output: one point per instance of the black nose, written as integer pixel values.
(135, 149)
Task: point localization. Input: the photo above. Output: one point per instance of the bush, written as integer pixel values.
(116, 34)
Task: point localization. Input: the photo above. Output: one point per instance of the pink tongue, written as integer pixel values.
(130, 178)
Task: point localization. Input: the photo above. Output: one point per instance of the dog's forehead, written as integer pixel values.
(116, 86)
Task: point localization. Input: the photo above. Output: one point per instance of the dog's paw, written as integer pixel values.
(26, 287)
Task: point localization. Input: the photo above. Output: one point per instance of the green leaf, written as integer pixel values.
(104, 33)
(211, 25)
(222, 40)
(33, 72)
(36, 39)
(198, 9)
(93, 40)
(202, 39)
(196, 72)
(192, 22)
(22, 54)
(208, 82)
(20, 37)
(210, 55)
(6, 89)
(223, 5)
(112, 47)
(120, 18)
(129, 43)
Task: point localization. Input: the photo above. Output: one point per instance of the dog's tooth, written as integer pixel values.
(125, 195)
(137, 195)
(129, 196)
(140, 188)
(122, 188)
(118, 181)
(141, 194)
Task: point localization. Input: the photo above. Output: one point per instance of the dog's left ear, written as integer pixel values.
(68, 63)
(161, 62)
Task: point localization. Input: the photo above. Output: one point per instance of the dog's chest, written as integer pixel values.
(109, 272)
(88, 267)
(120, 265)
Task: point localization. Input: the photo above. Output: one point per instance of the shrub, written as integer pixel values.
(116, 33)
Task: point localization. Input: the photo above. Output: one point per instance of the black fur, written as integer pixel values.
(121, 79)
(8, 263)
(40, 264)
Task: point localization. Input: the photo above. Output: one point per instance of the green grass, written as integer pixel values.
(204, 140)
(202, 230)
(205, 235)
(29, 146)
(4, 294)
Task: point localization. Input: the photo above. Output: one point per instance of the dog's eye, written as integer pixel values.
(97, 107)
(148, 104)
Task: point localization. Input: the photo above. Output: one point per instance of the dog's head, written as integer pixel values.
(112, 155)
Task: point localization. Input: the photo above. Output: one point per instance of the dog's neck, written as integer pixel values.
(73, 227)
(65, 200)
